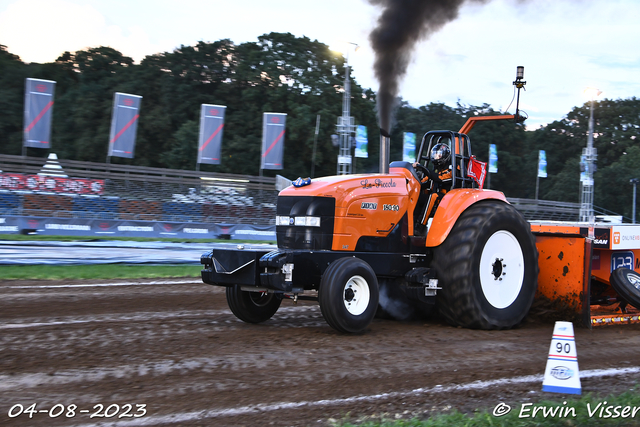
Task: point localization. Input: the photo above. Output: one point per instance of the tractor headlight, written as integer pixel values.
(313, 221)
(307, 221)
(283, 220)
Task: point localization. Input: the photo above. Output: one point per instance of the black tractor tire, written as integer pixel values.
(348, 295)
(252, 307)
(487, 268)
(626, 283)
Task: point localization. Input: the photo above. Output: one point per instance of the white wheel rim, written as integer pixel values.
(356, 295)
(634, 279)
(501, 269)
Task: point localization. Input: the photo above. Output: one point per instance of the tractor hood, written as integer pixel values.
(345, 189)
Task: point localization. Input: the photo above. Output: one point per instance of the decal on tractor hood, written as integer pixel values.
(377, 183)
(369, 205)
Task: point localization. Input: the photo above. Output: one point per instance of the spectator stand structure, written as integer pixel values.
(101, 191)
(29, 187)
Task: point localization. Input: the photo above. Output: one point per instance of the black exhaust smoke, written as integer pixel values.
(400, 26)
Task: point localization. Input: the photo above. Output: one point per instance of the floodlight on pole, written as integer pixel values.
(519, 84)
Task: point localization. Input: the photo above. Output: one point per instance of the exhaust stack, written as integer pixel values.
(385, 139)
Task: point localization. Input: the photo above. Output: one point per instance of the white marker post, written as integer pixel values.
(561, 374)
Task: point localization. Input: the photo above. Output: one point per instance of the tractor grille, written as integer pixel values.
(305, 222)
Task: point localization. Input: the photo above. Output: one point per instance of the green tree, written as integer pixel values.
(613, 191)
(12, 75)
(82, 113)
(616, 132)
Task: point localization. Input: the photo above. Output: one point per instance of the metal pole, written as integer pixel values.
(634, 181)
(488, 171)
(538, 176)
(634, 202)
(586, 205)
(345, 122)
(345, 149)
(315, 144)
(353, 169)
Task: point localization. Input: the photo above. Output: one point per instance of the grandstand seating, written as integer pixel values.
(10, 204)
(181, 212)
(50, 205)
(224, 206)
(140, 209)
(95, 207)
(142, 193)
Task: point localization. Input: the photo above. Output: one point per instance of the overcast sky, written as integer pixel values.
(564, 45)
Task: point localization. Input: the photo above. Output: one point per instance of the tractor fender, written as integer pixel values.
(451, 207)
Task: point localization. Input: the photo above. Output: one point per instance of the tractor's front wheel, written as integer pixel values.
(487, 268)
(348, 295)
(252, 307)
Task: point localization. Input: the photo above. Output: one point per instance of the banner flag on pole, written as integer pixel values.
(477, 170)
(493, 159)
(273, 127)
(211, 128)
(409, 147)
(362, 142)
(38, 109)
(542, 164)
(124, 123)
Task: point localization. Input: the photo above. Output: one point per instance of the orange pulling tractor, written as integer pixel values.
(431, 233)
(426, 229)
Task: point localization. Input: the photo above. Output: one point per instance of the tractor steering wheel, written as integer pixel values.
(422, 171)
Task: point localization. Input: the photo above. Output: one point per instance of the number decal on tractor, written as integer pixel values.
(390, 208)
(622, 259)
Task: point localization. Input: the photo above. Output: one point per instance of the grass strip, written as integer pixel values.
(97, 271)
(587, 411)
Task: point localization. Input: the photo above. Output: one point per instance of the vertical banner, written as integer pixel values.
(273, 127)
(210, 139)
(362, 142)
(409, 147)
(584, 171)
(542, 164)
(38, 109)
(493, 159)
(124, 123)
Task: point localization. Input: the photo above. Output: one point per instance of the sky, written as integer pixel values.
(565, 46)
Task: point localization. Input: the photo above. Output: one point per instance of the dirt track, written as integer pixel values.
(175, 347)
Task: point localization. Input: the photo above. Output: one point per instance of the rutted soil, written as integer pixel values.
(175, 347)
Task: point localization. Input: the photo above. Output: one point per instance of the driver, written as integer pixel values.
(441, 158)
(432, 183)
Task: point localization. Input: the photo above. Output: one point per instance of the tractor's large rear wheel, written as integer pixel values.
(252, 307)
(487, 268)
(348, 295)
